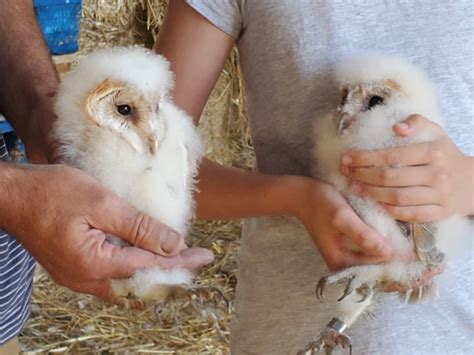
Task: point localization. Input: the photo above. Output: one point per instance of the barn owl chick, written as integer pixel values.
(116, 121)
(377, 92)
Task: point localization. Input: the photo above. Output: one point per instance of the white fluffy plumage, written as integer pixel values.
(117, 122)
(378, 91)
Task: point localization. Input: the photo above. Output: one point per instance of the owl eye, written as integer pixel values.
(374, 101)
(124, 110)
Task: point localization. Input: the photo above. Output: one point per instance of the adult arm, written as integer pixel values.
(197, 51)
(28, 78)
(61, 215)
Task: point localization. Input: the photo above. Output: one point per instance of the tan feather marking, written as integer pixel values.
(392, 85)
(101, 106)
(101, 91)
(141, 111)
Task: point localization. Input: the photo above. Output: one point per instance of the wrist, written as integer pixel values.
(295, 192)
(12, 191)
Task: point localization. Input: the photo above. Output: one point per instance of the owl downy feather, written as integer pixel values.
(116, 121)
(376, 92)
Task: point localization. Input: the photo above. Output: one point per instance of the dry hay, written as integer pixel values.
(198, 321)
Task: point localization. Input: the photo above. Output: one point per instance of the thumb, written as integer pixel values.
(367, 238)
(415, 124)
(137, 228)
(191, 259)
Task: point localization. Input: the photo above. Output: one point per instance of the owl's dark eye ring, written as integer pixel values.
(374, 101)
(124, 110)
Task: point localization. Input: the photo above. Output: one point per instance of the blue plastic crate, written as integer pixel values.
(59, 21)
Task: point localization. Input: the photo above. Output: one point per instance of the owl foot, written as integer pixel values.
(130, 303)
(419, 293)
(327, 340)
(352, 284)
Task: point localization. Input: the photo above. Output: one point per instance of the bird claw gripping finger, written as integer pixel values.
(329, 338)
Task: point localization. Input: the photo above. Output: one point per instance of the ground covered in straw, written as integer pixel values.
(195, 322)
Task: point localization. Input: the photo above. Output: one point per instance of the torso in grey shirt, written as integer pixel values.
(287, 49)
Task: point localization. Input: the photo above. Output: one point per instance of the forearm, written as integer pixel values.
(28, 77)
(15, 195)
(226, 192)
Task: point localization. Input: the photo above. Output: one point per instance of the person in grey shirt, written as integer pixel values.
(287, 49)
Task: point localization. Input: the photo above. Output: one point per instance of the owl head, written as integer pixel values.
(370, 83)
(120, 91)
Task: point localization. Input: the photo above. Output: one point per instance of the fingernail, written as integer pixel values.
(170, 241)
(346, 160)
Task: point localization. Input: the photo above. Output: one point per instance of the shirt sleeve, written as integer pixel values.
(224, 14)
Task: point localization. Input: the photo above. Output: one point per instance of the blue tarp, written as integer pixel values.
(59, 21)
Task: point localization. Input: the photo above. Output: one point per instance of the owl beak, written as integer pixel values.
(345, 121)
(152, 143)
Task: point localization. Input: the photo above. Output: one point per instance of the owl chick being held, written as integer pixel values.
(376, 92)
(117, 122)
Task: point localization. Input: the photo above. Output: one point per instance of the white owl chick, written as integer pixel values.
(376, 92)
(116, 121)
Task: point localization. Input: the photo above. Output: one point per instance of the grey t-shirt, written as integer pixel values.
(287, 49)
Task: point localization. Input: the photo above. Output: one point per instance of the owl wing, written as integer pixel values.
(424, 241)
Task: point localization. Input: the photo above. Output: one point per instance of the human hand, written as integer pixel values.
(330, 220)
(61, 215)
(422, 182)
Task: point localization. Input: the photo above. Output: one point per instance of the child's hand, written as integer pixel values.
(329, 218)
(421, 182)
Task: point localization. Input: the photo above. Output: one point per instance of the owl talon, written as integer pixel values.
(327, 340)
(349, 288)
(320, 287)
(366, 291)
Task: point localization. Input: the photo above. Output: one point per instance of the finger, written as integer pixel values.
(349, 224)
(124, 262)
(416, 124)
(408, 155)
(190, 259)
(139, 229)
(102, 260)
(103, 290)
(98, 288)
(426, 213)
(403, 196)
(391, 177)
